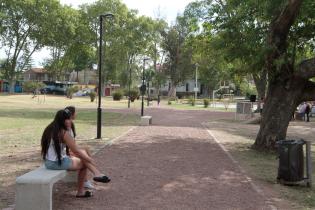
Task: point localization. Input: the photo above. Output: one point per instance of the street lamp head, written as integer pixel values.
(109, 15)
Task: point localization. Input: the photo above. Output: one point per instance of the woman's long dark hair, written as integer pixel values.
(71, 109)
(54, 131)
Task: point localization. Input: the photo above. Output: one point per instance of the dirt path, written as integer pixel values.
(173, 164)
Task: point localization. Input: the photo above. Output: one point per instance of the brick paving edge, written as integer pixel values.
(255, 187)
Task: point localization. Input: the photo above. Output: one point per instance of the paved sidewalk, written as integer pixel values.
(173, 164)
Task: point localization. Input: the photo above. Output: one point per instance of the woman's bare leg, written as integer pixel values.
(90, 166)
(81, 179)
(77, 164)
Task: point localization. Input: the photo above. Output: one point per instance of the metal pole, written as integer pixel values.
(148, 101)
(308, 164)
(142, 92)
(196, 83)
(99, 109)
(129, 83)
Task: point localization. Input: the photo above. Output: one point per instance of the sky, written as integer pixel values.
(168, 8)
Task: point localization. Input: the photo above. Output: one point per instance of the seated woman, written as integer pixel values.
(72, 131)
(54, 141)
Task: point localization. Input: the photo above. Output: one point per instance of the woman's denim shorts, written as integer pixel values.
(66, 163)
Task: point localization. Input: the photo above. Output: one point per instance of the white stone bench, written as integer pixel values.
(146, 120)
(34, 189)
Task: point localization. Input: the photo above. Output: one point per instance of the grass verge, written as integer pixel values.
(262, 166)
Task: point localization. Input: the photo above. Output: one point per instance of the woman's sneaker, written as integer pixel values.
(88, 184)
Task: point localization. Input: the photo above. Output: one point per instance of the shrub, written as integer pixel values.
(30, 86)
(169, 102)
(191, 101)
(172, 99)
(206, 102)
(134, 94)
(92, 95)
(117, 96)
(71, 90)
(125, 92)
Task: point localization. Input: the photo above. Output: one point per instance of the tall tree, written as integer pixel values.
(178, 62)
(289, 84)
(127, 36)
(25, 27)
(69, 43)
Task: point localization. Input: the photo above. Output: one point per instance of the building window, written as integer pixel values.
(187, 87)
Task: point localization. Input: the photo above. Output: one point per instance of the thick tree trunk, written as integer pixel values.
(285, 89)
(261, 84)
(172, 91)
(11, 86)
(277, 113)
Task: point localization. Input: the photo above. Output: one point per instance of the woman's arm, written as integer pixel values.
(69, 141)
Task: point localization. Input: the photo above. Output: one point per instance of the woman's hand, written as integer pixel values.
(69, 141)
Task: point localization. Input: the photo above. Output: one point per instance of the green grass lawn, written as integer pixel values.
(263, 166)
(23, 119)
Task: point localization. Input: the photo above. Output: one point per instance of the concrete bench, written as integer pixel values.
(146, 120)
(34, 189)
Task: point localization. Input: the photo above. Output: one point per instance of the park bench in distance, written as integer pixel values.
(146, 120)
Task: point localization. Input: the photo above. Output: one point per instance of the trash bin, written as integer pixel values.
(291, 160)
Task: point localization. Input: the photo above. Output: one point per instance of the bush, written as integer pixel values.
(31, 87)
(92, 95)
(172, 99)
(169, 102)
(247, 90)
(125, 92)
(134, 94)
(117, 96)
(71, 90)
(206, 102)
(191, 101)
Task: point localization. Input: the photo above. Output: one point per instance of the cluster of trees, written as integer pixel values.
(72, 36)
(269, 42)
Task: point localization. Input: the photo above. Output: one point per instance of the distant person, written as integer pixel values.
(158, 100)
(262, 103)
(301, 110)
(72, 131)
(307, 112)
(54, 140)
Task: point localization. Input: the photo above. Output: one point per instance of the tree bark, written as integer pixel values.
(261, 84)
(172, 91)
(285, 88)
(280, 105)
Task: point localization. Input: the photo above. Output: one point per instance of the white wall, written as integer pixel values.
(182, 87)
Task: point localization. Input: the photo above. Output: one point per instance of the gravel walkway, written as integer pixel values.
(173, 164)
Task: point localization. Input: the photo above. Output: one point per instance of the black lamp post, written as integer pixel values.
(149, 77)
(129, 82)
(99, 109)
(143, 87)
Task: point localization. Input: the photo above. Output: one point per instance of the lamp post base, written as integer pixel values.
(99, 123)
